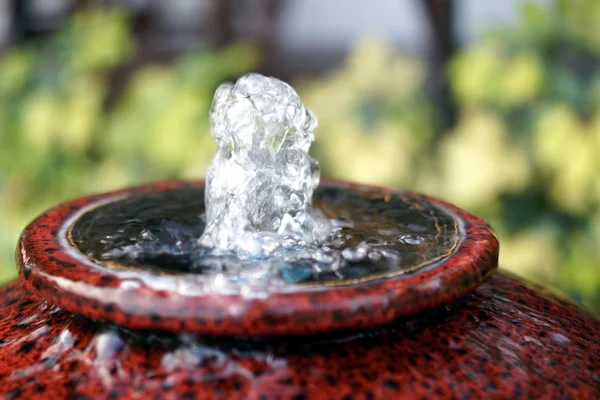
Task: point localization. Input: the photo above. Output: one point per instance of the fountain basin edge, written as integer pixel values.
(55, 273)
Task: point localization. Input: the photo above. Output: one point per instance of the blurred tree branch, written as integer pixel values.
(440, 14)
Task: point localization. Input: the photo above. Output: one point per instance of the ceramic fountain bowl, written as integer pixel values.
(433, 321)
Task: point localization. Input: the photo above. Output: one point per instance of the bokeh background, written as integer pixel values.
(494, 106)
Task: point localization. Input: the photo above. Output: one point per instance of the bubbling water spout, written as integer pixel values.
(261, 180)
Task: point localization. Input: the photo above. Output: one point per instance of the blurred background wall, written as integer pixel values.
(491, 105)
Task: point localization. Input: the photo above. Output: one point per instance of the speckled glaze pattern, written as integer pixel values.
(101, 293)
(508, 339)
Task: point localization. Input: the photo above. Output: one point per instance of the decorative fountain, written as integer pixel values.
(264, 284)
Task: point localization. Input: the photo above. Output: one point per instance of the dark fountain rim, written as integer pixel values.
(101, 293)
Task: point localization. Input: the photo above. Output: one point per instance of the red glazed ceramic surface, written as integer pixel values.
(508, 339)
(53, 269)
(78, 328)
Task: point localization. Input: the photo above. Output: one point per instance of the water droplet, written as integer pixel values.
(410, 239)
(106, 346)
(357, 253)
(416, 228)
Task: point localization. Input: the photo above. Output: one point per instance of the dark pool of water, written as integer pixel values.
(390, 233)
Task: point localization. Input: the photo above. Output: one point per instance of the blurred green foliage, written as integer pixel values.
(524, 154)
(60, 137)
